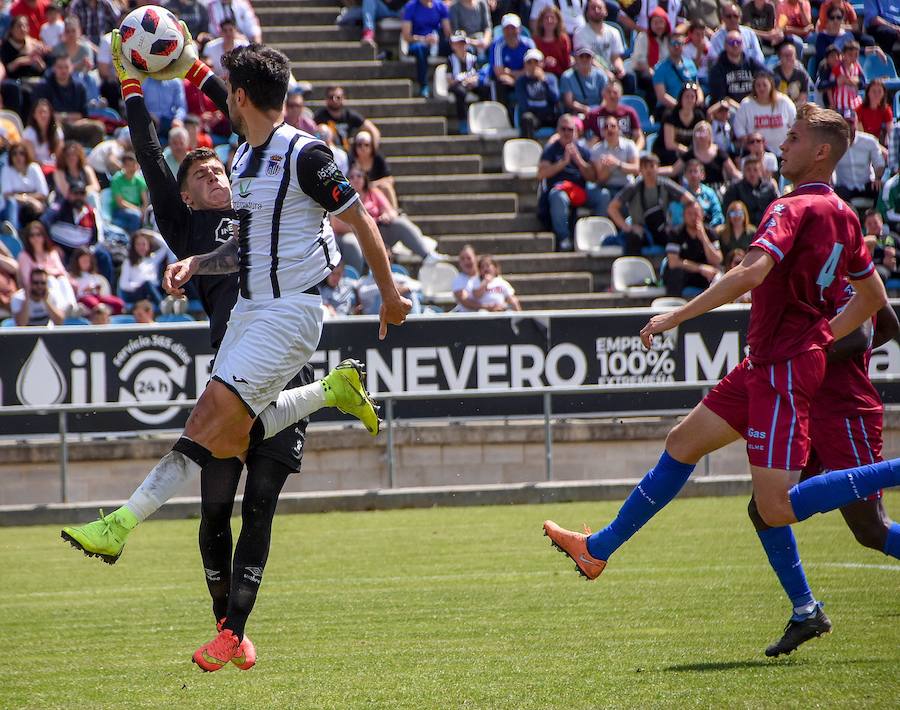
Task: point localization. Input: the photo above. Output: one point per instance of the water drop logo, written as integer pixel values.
(40, 382)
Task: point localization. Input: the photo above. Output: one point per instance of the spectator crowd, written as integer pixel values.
(665, 118)
(668, 118)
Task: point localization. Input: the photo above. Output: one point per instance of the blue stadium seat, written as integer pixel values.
(350, 272)
(8, 323)
(11, 242)
(877, 68)
(643, 112)
(175, 318)
(893, 285)
(122, 319)
(76, 321)
(400, 269)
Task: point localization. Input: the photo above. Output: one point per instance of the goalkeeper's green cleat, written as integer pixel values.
(345, 389)
(104, 538)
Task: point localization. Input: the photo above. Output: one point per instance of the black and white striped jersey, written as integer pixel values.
(283, 191)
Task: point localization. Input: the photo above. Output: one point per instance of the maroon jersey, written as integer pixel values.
(847, 390)
(816, 241)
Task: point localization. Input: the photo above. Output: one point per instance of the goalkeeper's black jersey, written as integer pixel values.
(186, 231)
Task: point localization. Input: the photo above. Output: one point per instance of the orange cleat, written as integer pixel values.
(245, 658)
(575, 546)
(215, 654)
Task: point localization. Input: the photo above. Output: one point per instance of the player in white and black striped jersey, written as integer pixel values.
(284, 184)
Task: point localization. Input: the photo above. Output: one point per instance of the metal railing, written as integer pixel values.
(389, 398)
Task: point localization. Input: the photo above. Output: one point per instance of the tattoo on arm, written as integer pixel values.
(223, 260)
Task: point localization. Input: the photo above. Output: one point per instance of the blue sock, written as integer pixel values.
(892, 544)
(656, 489)
(781, 549)
(838, 488)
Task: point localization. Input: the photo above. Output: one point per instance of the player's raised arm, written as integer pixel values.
(742, 278)
(171, 213)
(189, 66)
(321, 179)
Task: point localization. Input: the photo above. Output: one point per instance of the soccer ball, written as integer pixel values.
(151, 38)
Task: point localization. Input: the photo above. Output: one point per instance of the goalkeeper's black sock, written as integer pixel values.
(218, 485)
(265, 479)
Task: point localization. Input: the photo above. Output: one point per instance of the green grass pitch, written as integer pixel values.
(454, 608)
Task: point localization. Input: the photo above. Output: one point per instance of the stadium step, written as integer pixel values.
(386, 38)
(436, 225)
(532, 245)
(376, 108)
(536, 284)
(403, 127)
(296, 14)
(461, 184)
(366, 89)
(424, 165)
(420, 205)
(440, 146)
(568, 301)
(553, 262)
(257, 4)
(327, 51)
(351, 71)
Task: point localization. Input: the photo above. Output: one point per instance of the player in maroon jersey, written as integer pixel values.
(807, 243)
(845, 431)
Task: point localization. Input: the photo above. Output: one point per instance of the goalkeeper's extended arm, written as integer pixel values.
(172, 215)
(189, 66)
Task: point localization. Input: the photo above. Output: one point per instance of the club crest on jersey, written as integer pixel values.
(778, 209)
(274, 164)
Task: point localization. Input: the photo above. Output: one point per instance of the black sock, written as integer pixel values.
(265, 479)
(218, 485)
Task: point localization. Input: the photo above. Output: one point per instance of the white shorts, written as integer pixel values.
(266, 344)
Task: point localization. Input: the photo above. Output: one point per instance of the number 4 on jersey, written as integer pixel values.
(826, 275)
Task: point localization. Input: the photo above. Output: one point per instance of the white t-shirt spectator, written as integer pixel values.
(772, 122)
(38, 314)
(42, 152)
(89, 283)
(32, 181)
(214, 50)
(133, 276)
(626, 151)
(52, 33)
(497, 294)
(464, 282)
(607, 45)
(572, 12)
(101, 156)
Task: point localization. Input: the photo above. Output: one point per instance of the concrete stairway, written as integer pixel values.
(451, 185)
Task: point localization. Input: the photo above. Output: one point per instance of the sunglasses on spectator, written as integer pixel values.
(835, 16)
(676, 43)
(754, 140)
(734, 42)
(567, 129)
(294, 105)
(735, 213)
(363, 143)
